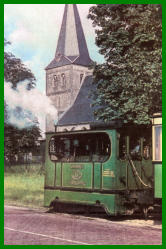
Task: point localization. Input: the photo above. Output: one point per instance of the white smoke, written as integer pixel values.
(24, 106)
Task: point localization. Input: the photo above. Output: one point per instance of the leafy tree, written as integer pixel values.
(19, 142)
(16, 140)
(15, 71)
(129, 83)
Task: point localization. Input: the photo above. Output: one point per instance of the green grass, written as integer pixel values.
(24, 187)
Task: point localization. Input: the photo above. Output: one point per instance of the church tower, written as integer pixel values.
(67, 71)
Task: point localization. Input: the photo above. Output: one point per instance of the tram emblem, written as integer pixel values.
(76, 176)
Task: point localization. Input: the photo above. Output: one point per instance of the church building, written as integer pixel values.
(68, 77)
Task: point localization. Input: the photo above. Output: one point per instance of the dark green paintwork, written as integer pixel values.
(113, 175)
(158, 180)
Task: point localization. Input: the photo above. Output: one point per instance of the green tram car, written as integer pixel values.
(157, 155)
(109, 166)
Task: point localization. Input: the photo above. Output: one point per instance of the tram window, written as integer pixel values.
(135, 148)
(158, 143)
(147, 148)
(80, 148)
(122, 147)
(100, 148)
(52, 146)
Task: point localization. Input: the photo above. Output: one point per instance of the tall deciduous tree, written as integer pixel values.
(129, 83)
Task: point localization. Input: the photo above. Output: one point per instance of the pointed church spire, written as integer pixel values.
(71, 47)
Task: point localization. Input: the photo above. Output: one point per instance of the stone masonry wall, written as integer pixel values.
(62, 86)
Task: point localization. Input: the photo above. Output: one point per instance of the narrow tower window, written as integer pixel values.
(81, 76)
(63, 80)
(55, 81)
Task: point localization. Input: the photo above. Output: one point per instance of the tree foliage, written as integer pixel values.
(16, 140)
(15, 71)
(19, 142)
(129, 83)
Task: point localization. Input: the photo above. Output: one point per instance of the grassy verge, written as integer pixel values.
(24, 186)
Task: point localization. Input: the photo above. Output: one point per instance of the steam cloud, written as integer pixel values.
(25, 106)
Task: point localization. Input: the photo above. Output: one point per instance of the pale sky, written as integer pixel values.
(33, 30)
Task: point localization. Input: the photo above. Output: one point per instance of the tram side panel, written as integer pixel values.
(84, 182)
(111, 182)
(135, 167)
(158, 180)
(157, 154)
(49, 175)
(49, 166)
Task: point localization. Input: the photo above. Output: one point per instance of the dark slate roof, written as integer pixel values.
(81, 111)
(83, 57)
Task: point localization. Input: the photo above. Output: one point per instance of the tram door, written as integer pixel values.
(157, 153)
